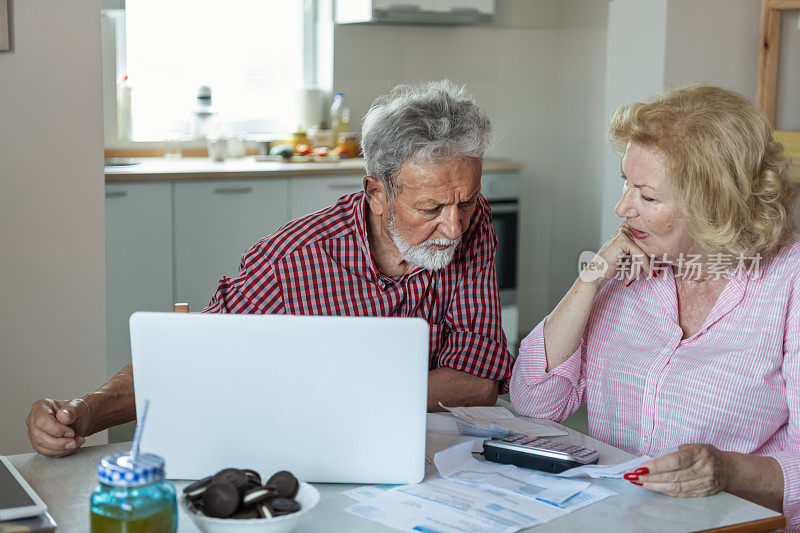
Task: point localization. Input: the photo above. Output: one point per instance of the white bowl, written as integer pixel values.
(307, 496)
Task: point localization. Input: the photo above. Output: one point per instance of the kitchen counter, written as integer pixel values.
(202, 168)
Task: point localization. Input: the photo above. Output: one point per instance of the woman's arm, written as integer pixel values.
(564, 327)
(758, 479)
(546, 380)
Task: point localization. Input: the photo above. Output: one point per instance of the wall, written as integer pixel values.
(580, 93)
(518, 68)
(52, 267)
(729, 59)
(635, 70)
(704, 41)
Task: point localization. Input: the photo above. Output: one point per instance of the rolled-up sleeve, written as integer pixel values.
(789, 457)
(540, 394)
(475, 342)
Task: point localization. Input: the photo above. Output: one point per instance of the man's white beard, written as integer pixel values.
(421, 255)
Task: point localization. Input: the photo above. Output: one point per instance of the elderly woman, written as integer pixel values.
(684, 330)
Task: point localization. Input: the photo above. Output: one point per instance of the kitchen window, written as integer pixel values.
(250, 52)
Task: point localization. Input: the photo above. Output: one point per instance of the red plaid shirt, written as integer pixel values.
(321, 265)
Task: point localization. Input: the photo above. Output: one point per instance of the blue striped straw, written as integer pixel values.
(137, 437)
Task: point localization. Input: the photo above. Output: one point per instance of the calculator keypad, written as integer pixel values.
(546, 444)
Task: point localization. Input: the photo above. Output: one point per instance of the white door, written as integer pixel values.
(215, 223)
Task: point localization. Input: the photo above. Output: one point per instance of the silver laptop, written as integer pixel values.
(331, 399)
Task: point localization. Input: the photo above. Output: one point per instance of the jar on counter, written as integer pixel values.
(132, 495)
(348, 145)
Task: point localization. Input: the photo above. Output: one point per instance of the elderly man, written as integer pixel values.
(417, 242)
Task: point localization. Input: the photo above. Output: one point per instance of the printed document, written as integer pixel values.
(458, 464)
(500, 417)
(475, 496)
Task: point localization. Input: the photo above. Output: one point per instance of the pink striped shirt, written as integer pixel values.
(734, 384)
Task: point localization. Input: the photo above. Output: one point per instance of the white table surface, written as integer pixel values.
(65, 485)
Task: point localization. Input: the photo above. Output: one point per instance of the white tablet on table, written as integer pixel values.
(17, 498)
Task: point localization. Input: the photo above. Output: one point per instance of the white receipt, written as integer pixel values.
(611, 471)
(500, 417)
(606, 471)
(458, 464)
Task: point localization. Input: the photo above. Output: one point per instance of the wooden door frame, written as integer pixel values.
(767, 86)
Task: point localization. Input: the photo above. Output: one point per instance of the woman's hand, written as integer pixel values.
(694, 470)
(619, 256)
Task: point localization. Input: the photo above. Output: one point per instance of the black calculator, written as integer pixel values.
(537, 453)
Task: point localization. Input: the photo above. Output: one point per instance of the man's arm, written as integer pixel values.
(455, 388)
(59, 427)
(473, 359)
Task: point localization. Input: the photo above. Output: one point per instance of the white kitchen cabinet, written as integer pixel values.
(307, 195)
(138, 260)
(215, 222)
(415, 11)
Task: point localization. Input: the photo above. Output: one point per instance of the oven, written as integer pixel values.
(502, 192)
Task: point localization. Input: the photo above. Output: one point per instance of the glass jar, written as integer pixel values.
(348, 145)
(133, 496)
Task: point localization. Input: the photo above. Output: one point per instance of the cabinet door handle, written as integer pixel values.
(501, 209)
(344, 186)
(116, 194)
(232, 190)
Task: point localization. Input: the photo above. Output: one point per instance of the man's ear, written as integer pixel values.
(376, 195)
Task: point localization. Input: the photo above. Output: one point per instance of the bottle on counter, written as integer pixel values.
(204, 118)
(348, 145)
(124, 118)
(340, 116)
(299, 137)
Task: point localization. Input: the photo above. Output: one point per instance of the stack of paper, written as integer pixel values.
(500, 417)
(476, 496)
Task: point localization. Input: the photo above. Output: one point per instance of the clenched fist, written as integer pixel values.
(57, 428)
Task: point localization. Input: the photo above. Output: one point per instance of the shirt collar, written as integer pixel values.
(365, 265)
(733, 293)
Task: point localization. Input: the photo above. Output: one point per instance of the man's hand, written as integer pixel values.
(694, 470)
(57, 428)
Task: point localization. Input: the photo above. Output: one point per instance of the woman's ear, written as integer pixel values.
(376, 195)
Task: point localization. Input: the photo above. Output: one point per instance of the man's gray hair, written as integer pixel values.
(426, 123)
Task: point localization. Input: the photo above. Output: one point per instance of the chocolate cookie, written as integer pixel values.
(221, 499)
(284, 483)
(252, 476)
(234, 476)
(245, 514)
(263, 510)
(194, 491)
(258, 495)
(281, 506)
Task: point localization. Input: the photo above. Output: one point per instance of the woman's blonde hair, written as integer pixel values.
(732, 177)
